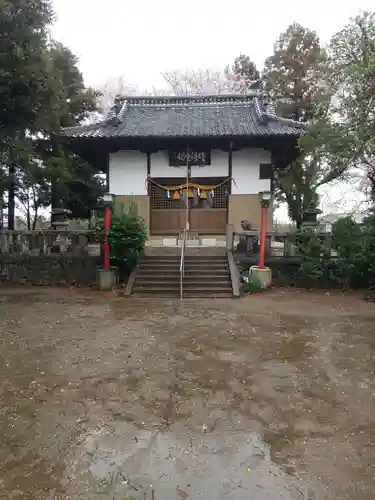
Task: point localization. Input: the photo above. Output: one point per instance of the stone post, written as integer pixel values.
(229, 237)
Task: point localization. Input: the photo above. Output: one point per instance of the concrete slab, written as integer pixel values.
(169, 242)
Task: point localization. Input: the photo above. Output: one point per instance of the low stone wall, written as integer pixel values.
(48, 270)
(286, 272)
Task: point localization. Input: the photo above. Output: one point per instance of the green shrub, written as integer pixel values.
(127, 236)
(253, 285)
(314, 255)
(352, 262)
(368, 252)
(348, 242)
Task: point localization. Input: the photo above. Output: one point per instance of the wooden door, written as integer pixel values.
(209, 220)
(167, 221)
(168, 214)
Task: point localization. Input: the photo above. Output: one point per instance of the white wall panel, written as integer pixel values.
(245, 171)
(127, 173)
(128, 170)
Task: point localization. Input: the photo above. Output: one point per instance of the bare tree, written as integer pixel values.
(179, 82)
(201, 82)
(113, 87)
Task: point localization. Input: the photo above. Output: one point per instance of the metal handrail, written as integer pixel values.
(183, 247)
(182, 263)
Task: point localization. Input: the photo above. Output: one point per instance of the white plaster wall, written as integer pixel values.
(160, 166)
(128, 170)
(127, 173)
(245, 171)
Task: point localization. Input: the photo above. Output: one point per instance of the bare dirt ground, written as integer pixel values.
(267, 397)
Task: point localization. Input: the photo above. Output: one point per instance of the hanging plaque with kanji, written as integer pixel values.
(179, 158)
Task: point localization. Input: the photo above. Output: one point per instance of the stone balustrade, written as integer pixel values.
(65, 242)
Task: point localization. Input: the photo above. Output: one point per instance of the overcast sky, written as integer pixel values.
(141, 39)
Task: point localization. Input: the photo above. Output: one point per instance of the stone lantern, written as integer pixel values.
(310, 216)
(60, 223)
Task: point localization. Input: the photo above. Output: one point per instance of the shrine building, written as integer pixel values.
(214, 153)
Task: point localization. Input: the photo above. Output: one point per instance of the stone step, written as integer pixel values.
(177, 262)
(204, 276)
(189, 273)
(167, 273)
(190, 251)
(220, 281)
(187, 283)
(190, 265)
(186, 295)
(188, 270)
(193, 273)
(167, 290)
(187, 256)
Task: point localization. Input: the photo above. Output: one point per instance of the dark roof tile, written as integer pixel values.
(198, 116)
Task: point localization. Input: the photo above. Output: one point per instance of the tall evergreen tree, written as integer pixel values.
(352, 53)
(41, 90)
(298, 76)
(72, 182)
(295, 75)
(245, 72)
(23, 38)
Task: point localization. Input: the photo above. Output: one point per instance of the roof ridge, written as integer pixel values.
(266, 112)
(193, 97)
(86, 126)
(117, 112)
(290, 121)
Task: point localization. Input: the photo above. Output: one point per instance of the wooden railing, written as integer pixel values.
(47, 242)
(281, 245)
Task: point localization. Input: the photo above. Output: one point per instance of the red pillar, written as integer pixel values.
(107, 227)
(262, 236)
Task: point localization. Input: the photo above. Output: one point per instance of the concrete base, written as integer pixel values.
(216, 241)
(106, 280)
(169, 242)
(263, 275)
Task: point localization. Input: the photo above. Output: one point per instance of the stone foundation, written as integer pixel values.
(202, 241)
(49, 270)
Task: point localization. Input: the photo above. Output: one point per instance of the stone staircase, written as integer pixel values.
(206, 275)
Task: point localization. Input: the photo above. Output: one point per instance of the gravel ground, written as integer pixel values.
(266, 397)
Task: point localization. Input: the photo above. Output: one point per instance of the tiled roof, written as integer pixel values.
(194, 116)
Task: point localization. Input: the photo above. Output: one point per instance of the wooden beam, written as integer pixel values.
(148, 163)
(107, 172)
(148, 154)
(230, 167)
